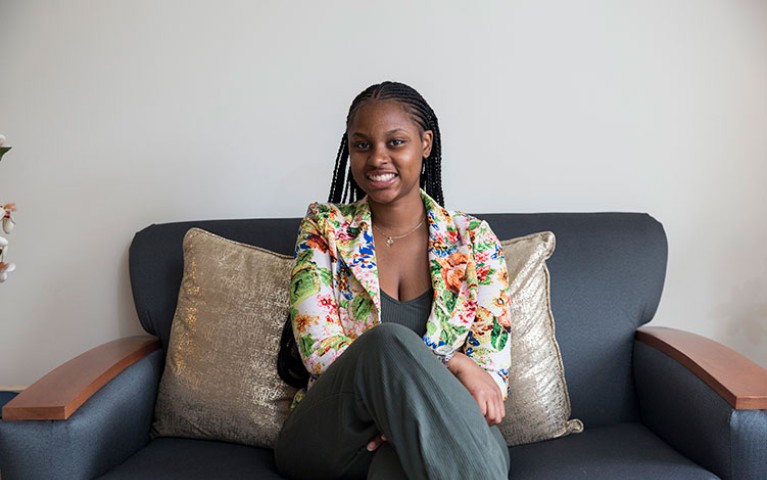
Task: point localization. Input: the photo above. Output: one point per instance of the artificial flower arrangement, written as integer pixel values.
(7, 222)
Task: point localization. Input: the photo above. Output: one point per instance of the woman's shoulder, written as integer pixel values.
(462, 221)
(329, 213)
(471, 229)
(451, 219)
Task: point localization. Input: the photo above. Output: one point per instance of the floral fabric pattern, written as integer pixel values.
(335, 295)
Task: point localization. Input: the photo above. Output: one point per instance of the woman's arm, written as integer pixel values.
(484, 368)
(313, 309)
(481, 385)
(488, 343)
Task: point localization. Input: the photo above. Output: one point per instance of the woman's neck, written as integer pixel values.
(398, 216)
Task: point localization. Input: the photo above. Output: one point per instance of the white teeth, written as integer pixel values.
(381, 178)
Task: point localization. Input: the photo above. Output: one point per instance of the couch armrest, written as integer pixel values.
(688, 388)
(738, 380)
(61, 392)
(111, 426)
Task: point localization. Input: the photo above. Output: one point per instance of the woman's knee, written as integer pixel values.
(389, 334)
(389, 342)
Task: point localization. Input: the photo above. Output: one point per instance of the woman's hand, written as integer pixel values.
(377, 441)
(480, 385)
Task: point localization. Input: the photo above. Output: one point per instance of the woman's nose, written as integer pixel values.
(378, 155)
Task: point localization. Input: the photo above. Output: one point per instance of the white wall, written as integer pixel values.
(122, 114)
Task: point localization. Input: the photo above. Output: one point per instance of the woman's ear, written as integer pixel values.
(426, 141)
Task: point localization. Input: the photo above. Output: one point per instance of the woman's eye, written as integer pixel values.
(397, 141)
(360, 145)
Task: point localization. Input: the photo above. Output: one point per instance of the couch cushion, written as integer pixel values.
(186, 459)
(220, 380)
(626, 451)
(538, 406)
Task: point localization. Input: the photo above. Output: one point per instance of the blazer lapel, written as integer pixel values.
(354, 242)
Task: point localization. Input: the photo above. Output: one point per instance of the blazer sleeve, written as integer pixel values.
(488, 342)
(313, 308)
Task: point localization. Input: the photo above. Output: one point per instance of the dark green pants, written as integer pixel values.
(389, 381)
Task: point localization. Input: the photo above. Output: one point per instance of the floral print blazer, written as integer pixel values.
(335, 295)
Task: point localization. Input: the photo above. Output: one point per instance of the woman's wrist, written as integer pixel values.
(459, 363)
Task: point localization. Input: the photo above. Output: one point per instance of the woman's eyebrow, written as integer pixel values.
(396, 130)
(389, 132)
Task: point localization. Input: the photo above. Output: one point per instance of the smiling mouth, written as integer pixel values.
(383, 177)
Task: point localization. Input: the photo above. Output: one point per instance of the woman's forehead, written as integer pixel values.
(382, 114)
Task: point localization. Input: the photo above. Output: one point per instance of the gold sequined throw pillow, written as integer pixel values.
(220, 380)
(538, 406)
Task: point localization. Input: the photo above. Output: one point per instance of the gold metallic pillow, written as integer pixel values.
(538, 406)
(220, 380)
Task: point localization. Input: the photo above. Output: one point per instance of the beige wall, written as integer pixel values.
(126, 113)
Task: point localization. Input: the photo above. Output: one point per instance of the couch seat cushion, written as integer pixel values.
(186, 459)
(626, 451)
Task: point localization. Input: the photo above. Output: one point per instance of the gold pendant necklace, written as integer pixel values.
(390, 238)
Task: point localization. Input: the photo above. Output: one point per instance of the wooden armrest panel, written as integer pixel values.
(61, 392)
(741, 382)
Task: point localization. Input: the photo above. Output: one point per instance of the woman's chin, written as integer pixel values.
(381, 197)
(392, 195)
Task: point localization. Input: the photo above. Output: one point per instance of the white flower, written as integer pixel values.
(8, 224)
(6, 213)
(3, 247)
(2, 140)
(5, 269)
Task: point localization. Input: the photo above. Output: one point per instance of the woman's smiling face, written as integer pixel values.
(386, 150)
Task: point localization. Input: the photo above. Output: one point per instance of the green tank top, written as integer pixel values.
(412, 313)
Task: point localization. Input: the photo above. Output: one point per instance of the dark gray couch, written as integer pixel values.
(656, 403)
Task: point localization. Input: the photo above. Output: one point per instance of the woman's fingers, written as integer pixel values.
(490, 416)
(495, 410)
(481, 386)
(501, 408)
(494, 415)
(376, 442)
(483, 406)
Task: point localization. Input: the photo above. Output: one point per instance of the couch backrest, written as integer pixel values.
(607, 276)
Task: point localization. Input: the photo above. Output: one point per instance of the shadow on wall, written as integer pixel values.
(744, 318)
(127, 319)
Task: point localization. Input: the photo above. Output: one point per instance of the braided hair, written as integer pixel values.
(344, 189)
